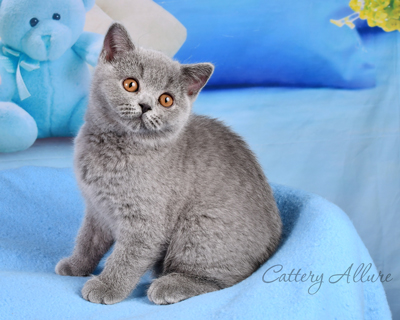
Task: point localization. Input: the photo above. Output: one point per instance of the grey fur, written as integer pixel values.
(175, 192)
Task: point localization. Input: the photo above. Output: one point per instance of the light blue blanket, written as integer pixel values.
(40, 213)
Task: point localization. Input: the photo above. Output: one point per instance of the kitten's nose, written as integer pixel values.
(145, 107)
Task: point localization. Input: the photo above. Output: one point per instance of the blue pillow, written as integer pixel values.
(273, 42)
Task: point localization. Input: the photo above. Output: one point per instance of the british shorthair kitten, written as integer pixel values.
(175, 192)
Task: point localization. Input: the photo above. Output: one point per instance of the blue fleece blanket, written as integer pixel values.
(317, 273)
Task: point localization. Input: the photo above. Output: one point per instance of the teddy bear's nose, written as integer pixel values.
(46, 40)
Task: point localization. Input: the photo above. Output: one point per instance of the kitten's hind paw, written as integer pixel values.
(97, 291)
(68, 267)
(175, 287)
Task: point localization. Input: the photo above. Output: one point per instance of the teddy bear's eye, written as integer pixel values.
(34, 22)
(56, 16)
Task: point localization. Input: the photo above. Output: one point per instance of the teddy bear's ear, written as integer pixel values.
(116, 42)
(87, 3)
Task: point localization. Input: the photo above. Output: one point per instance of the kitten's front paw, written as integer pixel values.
(97, 291)
(69, 267)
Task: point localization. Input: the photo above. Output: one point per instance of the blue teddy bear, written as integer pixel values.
(44, 76)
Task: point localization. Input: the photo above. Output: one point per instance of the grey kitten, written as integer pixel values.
(174, 192)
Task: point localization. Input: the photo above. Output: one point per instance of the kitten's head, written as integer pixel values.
(142, 91)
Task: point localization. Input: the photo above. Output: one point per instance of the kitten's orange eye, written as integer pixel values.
(131, 85)
(166, 100)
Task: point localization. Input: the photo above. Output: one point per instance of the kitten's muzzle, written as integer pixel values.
(145, 107)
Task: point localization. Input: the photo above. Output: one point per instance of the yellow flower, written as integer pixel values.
(392, 25)
(380, 3)
(382, 13)
(380, 17)
(356, 5)
(395, 13)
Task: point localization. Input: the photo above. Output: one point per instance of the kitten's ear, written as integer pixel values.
(195, 77)
(116, 42)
